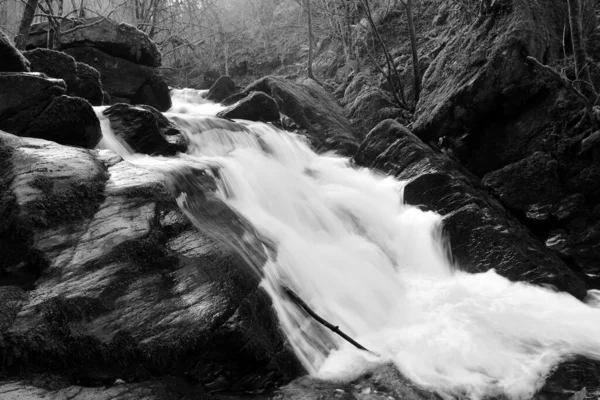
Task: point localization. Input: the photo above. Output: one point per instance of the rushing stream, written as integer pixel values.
(342, 239)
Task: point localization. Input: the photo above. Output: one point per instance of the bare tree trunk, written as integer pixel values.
(310, 41)
(582, 72)
(415, 55)
(26, 20)
(388, 59)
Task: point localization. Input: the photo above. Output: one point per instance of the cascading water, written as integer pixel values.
(342, 239)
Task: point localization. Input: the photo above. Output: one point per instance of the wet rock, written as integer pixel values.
(384, 383)
(532, 183)
(117, 39)
(258, 106)
(143, 128)
(81, 79)
(221, 89)
(310, 107)
(166, 388)
(482, 235)
(125, 286)
(11, 60)
(139, 84)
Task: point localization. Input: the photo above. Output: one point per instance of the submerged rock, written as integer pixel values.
(258, 106)
(481, 234)
(119, 283)
(143, 128)
(81, 79)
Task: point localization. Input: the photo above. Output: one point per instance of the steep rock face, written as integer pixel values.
(480, 72)
(119, 40)
(482, 234)
(124, 80)
(81, 79)
(33, 105)
(11, 60)
(118, 283)
(312, 109)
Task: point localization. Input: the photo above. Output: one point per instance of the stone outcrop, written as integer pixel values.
(11, 60)
(125, 57)
(258, 106)
(481, 233)
(480, 73)
(81, 79)
(110, 37)
(125, 81)
(33, 105)
(312, 110)
(106, 279)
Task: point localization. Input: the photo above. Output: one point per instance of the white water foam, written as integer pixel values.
(349, 247)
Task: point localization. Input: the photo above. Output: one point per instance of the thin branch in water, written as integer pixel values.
(335, 329)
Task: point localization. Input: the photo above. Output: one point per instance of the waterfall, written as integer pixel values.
(342, 239)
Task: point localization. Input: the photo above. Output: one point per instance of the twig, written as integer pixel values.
(300, 303)
(567, 83)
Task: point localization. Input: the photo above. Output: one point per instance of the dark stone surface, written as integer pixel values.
(23, 97)
(67, 120)
(529, 186)
(258, 106)
(221, 89)
(143, 129)
(11, 60)
(81, 79)
(310, 107)
(118, 283)
(480, 73)
(119, 40)
(481, 233)
(124, 79)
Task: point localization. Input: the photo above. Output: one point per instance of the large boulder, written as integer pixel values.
(67, 120)
(24, 97)
(258, 106)
(311, 108)
(481, 233)
(530, 186)
(11, 60)
(124, 80)
(81, 79)
(35, 106)
(119, 284)
(480, 73)
(117, 39)
(143, 128)
(221, 89)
